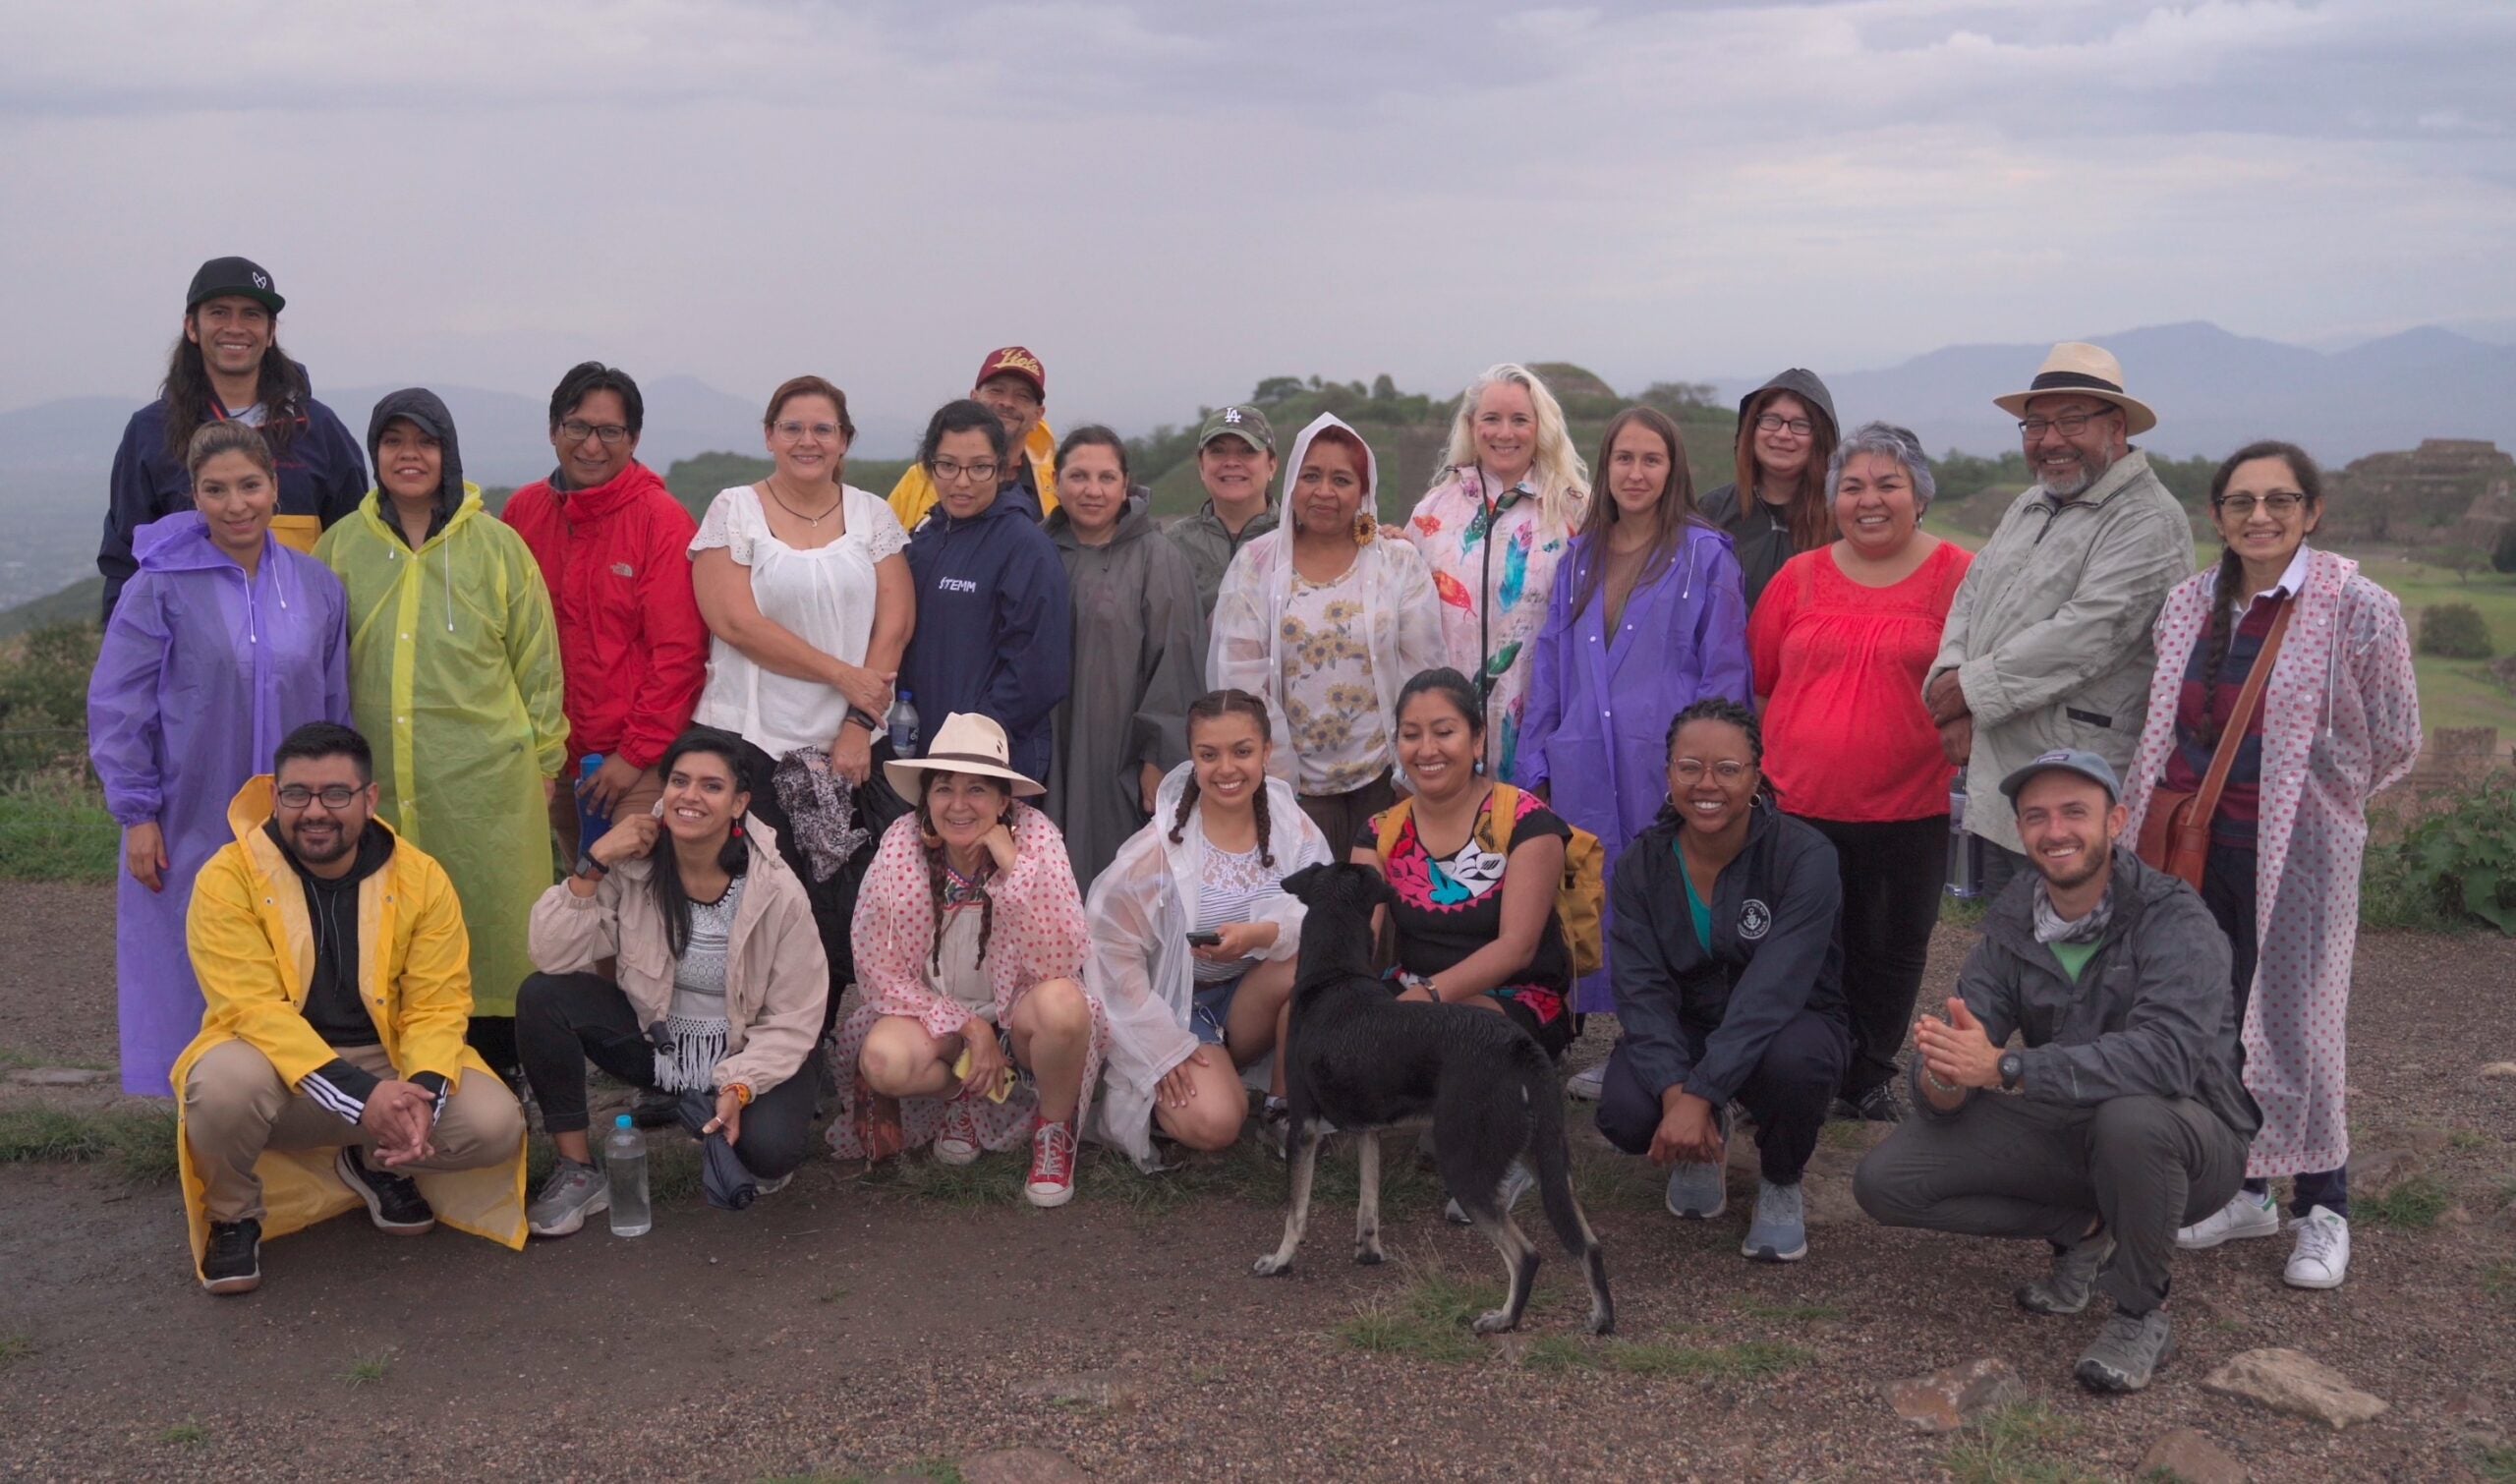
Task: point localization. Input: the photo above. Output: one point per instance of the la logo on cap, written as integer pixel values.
(1232, 413)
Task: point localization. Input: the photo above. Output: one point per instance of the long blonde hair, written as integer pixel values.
(1562, 481)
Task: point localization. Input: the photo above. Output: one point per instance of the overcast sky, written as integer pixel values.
(1172, 199)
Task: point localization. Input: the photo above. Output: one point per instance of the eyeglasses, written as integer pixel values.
(1692, 770)
(794, 431)
(2284, 502)
(577, 432)
(949, 470)
(1774, 421)
(334, 795)
(2071, 424)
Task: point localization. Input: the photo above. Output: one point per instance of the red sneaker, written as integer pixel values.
(1051, 1182)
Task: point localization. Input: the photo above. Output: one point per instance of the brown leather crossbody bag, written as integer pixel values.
(2175, 835)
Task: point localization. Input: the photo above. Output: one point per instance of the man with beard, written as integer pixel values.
(330, 1067)
(2047, 645)
(2123, 1117)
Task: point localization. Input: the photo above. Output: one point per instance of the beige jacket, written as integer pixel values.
(776, 976)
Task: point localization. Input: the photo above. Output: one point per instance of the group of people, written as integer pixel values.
(1061, 906)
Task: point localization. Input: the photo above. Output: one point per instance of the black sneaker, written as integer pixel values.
(655, 1109)
(232, 1263)
(393, 1202)
(1879, 1104)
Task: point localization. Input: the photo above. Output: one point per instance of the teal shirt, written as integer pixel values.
(1695, 904)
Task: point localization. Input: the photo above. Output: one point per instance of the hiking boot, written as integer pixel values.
(1696, 1191)
(572, 1193)
(1051, 1182)
(1518, 1181)
(956, 1142)
(232, 1262)
(1779, 1230)
(2322, 1258)
(2128, 1352)
(393, 1202)
(1878, 1104)
(655, 1109)
(1588, 1084)
(2248, 1213)
(2073, 1278)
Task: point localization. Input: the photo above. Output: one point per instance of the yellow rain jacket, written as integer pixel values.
(454, 679)
(914, 494)
(253, 950)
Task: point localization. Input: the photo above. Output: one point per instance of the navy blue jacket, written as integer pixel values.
(321, 478)
(995, 630)
(1774, 953)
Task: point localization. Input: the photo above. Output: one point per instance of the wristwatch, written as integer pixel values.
(2012, 1067)
(591, 869)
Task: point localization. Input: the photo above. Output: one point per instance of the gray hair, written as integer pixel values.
(1898, 443)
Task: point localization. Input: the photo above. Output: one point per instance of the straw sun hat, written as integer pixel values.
(2075, 366)
(965, 743)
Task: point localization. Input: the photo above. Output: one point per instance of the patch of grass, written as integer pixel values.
(2413, 1206)
(13, 1348)
(1558, 1352)
(2497, 1464)
(2499, 1281)
(2012, 1446)
(186, 1434)
(1748, 1361)
(140, 1143)
(992, 1179)
(1382, 1327)
(53, 828)
(1796, 1313)
(1963, 911)
(367, 1370)
(834, 1295)
(2469, 1139)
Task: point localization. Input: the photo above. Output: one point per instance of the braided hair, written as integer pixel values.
(1723, 709)
(938, 880)
(2223, 599)
(1213, 705)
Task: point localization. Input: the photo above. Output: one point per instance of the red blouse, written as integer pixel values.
(1841, 666)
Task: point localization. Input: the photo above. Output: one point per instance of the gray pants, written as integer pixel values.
(2001, 866)
(2003, 1166)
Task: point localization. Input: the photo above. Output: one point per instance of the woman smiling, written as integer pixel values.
(1776, 508)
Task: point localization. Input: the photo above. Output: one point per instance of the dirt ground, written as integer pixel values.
(852, 1326)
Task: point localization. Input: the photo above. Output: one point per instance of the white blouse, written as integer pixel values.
(823, 596)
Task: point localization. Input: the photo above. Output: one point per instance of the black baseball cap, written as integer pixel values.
(233, 275)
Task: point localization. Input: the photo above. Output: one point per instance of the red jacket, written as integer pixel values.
(633, 652)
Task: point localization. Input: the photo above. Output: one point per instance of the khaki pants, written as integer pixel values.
(235, 1106)
(640, 799)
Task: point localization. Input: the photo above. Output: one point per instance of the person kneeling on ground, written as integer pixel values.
(1194, 938)
(2127, 1119)
(1729, 981)
(330, 1069)
(969, 951)
(722, 980)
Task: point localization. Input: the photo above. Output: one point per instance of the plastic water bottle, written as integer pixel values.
(1965, 857)
(624, 1169)
(902, 722)
(591, 825)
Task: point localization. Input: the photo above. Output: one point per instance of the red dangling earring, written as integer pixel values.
(738, 829)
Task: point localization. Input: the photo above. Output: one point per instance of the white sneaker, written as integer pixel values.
(2322, 1258)
(2245, 1215)
(1588, 1084)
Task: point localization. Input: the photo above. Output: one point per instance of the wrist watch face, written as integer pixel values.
(2011, 1067)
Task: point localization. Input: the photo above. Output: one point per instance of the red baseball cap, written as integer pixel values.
(1014, 360)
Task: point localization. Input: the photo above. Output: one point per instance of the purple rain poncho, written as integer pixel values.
(202, 674)
(1596, 730)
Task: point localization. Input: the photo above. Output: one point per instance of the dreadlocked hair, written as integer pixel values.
(937, 880)
(2231, 575)
(1213, 705)
(1723, 709)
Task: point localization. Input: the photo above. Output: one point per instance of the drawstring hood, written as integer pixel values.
(425, 411)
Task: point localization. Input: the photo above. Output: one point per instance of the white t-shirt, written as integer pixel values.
(823, 596)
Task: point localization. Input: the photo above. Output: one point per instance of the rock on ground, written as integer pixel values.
(1947, 1399)
(1082, 1389)
(2295, 1383)
(2500, 1069)
(2188, 1457)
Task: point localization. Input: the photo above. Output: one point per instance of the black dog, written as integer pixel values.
(1358, 1061)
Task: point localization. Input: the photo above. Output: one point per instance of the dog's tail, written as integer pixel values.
(1552, 1158)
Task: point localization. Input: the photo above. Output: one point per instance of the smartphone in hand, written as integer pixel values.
(1205, 940)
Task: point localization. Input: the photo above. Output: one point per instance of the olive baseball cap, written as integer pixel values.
(1248, 424)
(2087, 764)
(233, 275)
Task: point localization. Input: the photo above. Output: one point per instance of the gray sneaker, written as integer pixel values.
(2067, 1288)
(2128, 1352)
(573, 1192)
(1696, 1192)
(1779, 1230)
(1518, 1181)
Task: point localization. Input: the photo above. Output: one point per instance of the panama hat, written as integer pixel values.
(2076, 366)
(968, 743)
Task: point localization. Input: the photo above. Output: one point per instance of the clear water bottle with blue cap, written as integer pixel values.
(624, 1171)
(902, 722)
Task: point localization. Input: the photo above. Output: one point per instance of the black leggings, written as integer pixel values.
(1891, 874)
(562, 1020)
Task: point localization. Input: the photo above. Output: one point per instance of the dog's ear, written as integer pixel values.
(1377, 892)
(1304, 882)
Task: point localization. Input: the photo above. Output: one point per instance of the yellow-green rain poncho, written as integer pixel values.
(454, 679)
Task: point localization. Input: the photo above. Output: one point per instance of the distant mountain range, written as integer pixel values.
(2212, 391)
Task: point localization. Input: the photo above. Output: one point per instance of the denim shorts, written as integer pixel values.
(1212, 1008)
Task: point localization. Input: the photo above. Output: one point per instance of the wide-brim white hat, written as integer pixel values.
(2075, 366)
(968, 743)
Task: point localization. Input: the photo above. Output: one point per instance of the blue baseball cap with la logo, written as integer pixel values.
(2087, 764)
(233, 275)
